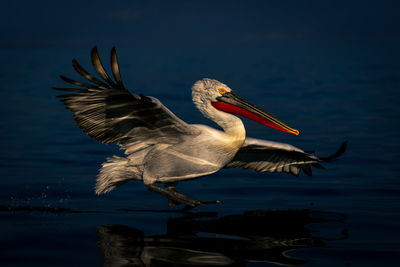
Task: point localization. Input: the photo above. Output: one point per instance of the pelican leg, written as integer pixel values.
(172, 188)
(171, 203)
(176, 197)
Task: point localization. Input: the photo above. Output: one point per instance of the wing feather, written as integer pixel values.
(267, 156)
(109, 113)
(87, 75)
(77, 83)
(115, 68)
(99, 67)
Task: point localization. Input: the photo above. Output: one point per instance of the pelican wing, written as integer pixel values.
(109, 113)
(268, 156)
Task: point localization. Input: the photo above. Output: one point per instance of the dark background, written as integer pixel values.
(196, 23)
(328, 68)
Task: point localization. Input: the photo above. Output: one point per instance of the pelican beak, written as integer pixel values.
(232, 103)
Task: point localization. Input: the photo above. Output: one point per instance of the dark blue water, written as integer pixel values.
(346, 215)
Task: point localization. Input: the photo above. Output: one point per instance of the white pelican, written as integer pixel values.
(161, 148)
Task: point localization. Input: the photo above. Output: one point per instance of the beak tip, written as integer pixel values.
(296, 132)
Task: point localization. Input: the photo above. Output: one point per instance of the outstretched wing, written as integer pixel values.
(109, 113)
(267, 156)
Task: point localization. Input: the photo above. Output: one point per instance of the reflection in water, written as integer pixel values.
(206, 239)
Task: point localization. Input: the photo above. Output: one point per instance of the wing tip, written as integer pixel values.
(337, 154)
(65, 79)
(94, 53)
(94, 49)
(75, 64)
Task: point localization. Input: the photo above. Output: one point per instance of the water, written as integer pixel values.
(345, 215)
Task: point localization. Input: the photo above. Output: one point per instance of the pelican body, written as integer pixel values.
(163, 149)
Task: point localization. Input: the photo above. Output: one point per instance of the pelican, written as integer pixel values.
(162, 149)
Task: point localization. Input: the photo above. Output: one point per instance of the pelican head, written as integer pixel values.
(213, 97)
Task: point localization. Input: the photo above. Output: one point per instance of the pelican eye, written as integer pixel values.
(221, 91)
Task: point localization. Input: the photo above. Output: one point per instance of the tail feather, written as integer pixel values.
(115, 172)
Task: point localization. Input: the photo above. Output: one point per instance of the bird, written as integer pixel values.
(163, 150)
